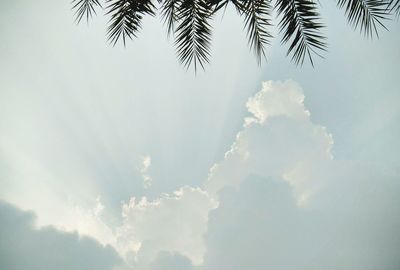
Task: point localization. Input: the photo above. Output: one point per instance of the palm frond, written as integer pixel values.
(85, 8)
(189, 21)
(168, 14)
(300, 24)
(257, 19)
(216, 5)
(394, 5)
(193, 34)
(365, 14)
(126, 18)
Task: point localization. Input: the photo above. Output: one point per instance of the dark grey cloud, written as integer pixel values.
(24, 247)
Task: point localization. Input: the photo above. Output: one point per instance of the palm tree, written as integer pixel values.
(189, 22)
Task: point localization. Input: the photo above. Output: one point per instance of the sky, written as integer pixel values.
(118, 158)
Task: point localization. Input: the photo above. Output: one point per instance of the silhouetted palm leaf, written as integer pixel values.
(168, 13)
(85, 8)
(394, 5)
(257, 19)
(366, 14)
(126, 18)
(300, 23)
(193, 34)
(189, 20)
(216, 5)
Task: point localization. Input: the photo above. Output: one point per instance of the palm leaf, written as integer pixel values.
(193, 34)
(300, 24)
(126, 18)
(168, 14)
(85, 8)
(257, 19)
(216, 5)
(189, 20)
(394, 5)
(365, 14)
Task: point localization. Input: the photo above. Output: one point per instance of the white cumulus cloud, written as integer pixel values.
(278, 140)
(172, 223)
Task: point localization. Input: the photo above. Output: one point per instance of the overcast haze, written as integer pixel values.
(118, 158)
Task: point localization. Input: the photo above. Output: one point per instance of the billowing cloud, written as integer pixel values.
(278, 140)
(172, 223)
(278, 200)
(286, 203)
(24, 247)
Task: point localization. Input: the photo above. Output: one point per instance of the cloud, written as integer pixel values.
(24, 247)
(277, 200)
(171, 261)
(260, 226)
(172, 223)
(71, 217)
(147, 180)
(286, 203)
(278, 140)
